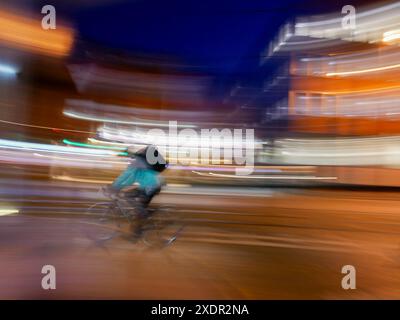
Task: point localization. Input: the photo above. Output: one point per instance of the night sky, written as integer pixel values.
(217, 36)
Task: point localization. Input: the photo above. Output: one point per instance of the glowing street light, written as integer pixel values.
(6, 69)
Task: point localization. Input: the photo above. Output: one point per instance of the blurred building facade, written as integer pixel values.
(343, 82)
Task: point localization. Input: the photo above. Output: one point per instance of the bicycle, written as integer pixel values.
(160, 227)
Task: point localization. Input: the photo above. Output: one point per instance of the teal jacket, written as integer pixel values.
(147, 179)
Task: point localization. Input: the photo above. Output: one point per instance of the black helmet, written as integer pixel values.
(152, 157)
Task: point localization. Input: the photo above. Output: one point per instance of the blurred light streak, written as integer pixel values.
(81, 160)
(329, 74)
(68, 178)
(7, 69)
(80, 144)
(346, 91)
(25, 157)
(390, 36)
(44, 127)
(95, 141)
(370, 104)
(371, 22)
(123, 111)
(372, 58)
(202, 140)
(140, 122)
(325, 31)
(178, 185)
(218, 191)
(27, 34)
(274, 177)
(6, 212)
(218, 168)
(380, 151)
(11, 144)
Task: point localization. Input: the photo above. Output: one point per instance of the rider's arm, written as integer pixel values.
(126, 178)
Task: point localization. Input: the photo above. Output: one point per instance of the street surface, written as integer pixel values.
(239, 243)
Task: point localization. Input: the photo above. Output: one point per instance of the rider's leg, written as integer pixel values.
(142, 211)
(150, 195)
(140, 207)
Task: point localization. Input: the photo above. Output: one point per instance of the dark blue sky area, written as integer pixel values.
(219, 35)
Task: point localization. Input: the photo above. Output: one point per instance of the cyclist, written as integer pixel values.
(141, 181)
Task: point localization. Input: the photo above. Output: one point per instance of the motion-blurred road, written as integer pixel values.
(238, 244)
